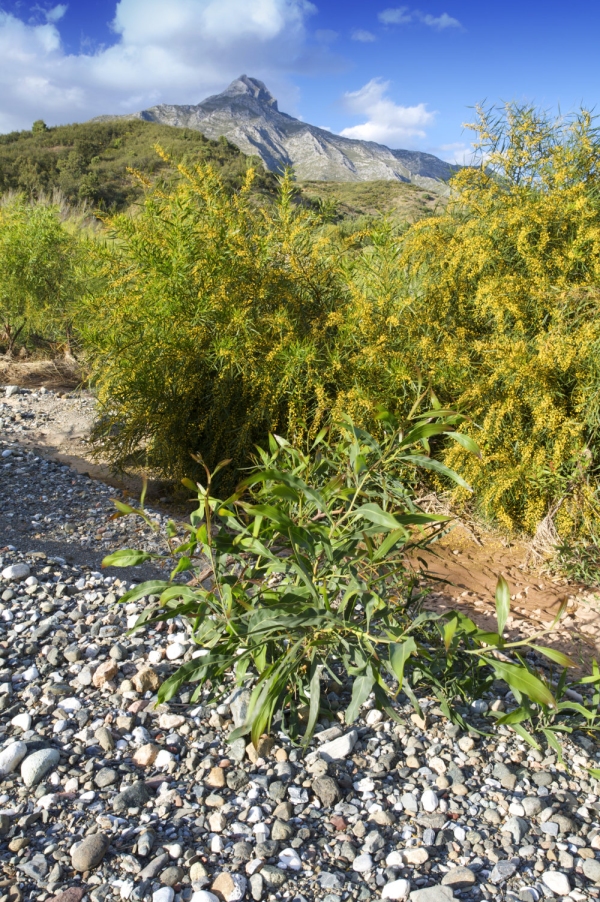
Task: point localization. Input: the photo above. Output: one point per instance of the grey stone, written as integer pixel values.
(273, 877)
(238, 705)
(105, 739)
(36, 868)
(591, 869)
(327, 791)
(243, 850)
(257, 887)
(432, 894)
(532, 805)
(134, 796)
(37, 765)
(503, 870)
(542, 778)
(172, 876)
(145, 842)
(330, 881)
(106, 776)
(517, 827)
(154, 867)
(281, 831)
(89, 852)
(459, 878)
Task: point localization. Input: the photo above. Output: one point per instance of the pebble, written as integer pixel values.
(89, 852)
(37, 765)
(409, 810)
(557, 882)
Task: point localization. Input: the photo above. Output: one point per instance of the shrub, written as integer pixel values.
(502, 315)
(42, 272)
(309, 584)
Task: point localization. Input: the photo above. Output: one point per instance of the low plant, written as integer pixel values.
(302, 578)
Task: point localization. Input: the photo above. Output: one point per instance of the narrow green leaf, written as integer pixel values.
(522, 732)
(553, 742)
(558, 656)
(375, 514)
(400, 652)
(467, 442)
(127, 557)
(361, 689)
(524, 681)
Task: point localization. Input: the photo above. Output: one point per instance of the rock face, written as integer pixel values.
(246, 114)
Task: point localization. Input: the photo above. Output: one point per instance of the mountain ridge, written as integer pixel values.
(247, 114)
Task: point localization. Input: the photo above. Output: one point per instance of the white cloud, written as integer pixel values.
(387, 122)
(398, 16)
(458, 152)
(366, 37)
(439, 22)
(175, 52)
(402, 15)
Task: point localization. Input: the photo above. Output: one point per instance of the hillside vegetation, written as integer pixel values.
(90, 161)
(207, 321)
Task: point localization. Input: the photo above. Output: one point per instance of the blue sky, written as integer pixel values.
(403, 75)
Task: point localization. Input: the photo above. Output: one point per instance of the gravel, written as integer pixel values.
(104, 796)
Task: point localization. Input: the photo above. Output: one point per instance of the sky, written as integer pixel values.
(402, 75)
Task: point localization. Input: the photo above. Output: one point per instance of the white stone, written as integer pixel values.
(37, 765)
(60, 725)
(163, 759)
(31, 581)
(557, 882)
(255, 815)
(16, 571)
(217, 844)
(175, 851)
(46, 801)
(374, 716)
(22, 721)
(72, 785)
(466, 743)
(339, 748)
(290, 859)
(32, 673)
(202, 895)
(170, 721)
(438, 765)
(71, 704)
(516, 809)
(362, 863)
(397, 889)
(155, 657)
(415, 855)
(429, 801)
(395, 860)
(164, 894)
(175, 650)
(11, 757)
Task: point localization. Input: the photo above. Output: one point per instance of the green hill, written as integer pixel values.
(90, 161)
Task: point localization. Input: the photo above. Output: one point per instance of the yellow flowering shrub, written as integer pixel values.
(504, 317)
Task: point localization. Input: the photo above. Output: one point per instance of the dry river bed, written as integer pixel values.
(104, 796)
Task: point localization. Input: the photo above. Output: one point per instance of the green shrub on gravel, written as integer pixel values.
(301, 578)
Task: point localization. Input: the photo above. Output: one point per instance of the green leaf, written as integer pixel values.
(375, 514)
(558, 656)
(502, 603)
(400, 652)
(425, 430)
(128, 557)
(315, 702)
(124, 508)
(467, 442)
(361, 689)
(553, 742)
(522, 732)
(429, 463)
(152, 587)
(449, 631)
(524, 681)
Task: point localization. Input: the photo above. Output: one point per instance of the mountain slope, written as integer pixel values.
(246, 113)
(91, 161)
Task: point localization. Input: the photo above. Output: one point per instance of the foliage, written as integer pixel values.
(309, 584)
(501, 315)
(90, 161)
(42, 272)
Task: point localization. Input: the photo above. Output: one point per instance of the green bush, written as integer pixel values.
(43, 272)
(305, 582)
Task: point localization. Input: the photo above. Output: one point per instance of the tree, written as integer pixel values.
(39, 126)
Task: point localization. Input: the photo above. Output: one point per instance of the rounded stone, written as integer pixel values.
(16, 571)
(397, 889)
(38, 764)
(89, 852)
(557, 882)
(591, 869)
(11, 757)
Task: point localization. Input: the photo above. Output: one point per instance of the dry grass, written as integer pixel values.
(61, 374)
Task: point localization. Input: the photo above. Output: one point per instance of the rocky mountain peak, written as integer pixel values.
(253, 88)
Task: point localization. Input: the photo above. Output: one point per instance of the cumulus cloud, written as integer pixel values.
(366, 37)
(175, 52)
(387, 122)
(402, 15)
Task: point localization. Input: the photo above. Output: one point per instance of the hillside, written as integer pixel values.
(247, 114)
(400, 201)
(90, 161)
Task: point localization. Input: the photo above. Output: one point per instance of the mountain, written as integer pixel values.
(246, 113)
